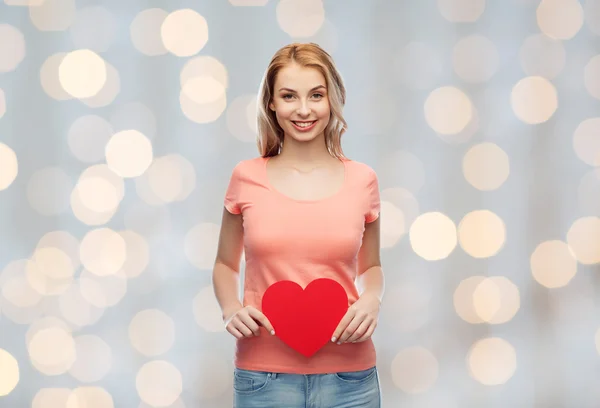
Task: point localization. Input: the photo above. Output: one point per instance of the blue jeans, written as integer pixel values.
(260, 389)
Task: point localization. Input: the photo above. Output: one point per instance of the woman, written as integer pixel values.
(301, 211)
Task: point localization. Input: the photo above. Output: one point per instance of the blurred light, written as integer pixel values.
(170, 178)
(134, 115)
(542, 56)
(158, 383)
(51, 398)
(300, 18)
(433, 236)
(145, 31)
(102, 292)
(326, 37)
(90, 397)
(202, 113)
(534, 100)
(48, 191)
(203, 89)
(184, 32)
(393, 226)
(464, 300)
(418, 65)
(448, 110)
(18, 291)
(49, 77)
(486, 166)
(152, 332)
(82, 73)
(103, 251)
(53, 15)
(64, 241)
(414, 370)
(560, 19)
(138, 254)
(9, 166)
(53, 263)
(553, 264)
(94, 359)
(461, 11)
(12, 48)
(9, 372)
(591, 76)
(496, 300)
(492, 361)
(201, 245)
(241, 118)
(94, 28)
(88, 136)
(97, 194)
(481, 233)
(207, 311)
(583, 238)
(76, 309)
(45, 278)
(586, 141)
(129, 153)
(475, 59)
(89, 216)
(405, 201)
(109, 92)
(52, 350)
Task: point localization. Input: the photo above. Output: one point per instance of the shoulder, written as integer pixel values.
(248, 167)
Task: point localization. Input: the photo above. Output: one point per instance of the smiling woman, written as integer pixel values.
(301, 212)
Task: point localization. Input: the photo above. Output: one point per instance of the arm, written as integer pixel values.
(240, 321)
(227, 264)
(370, 281)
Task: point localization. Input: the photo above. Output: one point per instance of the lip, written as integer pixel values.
(304, 129)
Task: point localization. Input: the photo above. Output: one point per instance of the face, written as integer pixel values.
(300, 102)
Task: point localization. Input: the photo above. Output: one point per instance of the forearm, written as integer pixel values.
(372, 282)
(226, 287)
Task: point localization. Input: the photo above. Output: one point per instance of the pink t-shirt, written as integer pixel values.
(301, 240)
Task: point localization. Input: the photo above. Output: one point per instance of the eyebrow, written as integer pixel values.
(291, 90)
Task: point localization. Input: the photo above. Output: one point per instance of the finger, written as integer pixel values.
(351, 328)
(360, 331)
(235, 332)
(250, 323)
(258, 315)
(343, 324)
(241, 326)
(368, 334)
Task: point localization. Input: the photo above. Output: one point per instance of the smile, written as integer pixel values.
(304, 126)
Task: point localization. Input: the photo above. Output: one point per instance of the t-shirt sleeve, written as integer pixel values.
(374, 204)
(232, 195)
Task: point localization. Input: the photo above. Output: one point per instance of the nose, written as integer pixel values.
(303, 109)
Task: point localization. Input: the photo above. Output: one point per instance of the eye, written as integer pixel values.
(287, 96)
(318, 95)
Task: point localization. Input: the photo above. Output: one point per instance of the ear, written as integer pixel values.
(272, 106)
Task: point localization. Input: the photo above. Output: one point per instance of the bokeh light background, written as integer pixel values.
(120, 123)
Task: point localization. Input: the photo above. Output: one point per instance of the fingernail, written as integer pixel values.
(354, 341)
(272, 332)
(333, 339)
(339, 342)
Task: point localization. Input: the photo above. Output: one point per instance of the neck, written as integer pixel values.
(305, 152)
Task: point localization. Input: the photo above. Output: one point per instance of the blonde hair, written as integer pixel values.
(270, 135)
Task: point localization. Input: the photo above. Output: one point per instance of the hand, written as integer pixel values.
(360, 320)
(245, 321)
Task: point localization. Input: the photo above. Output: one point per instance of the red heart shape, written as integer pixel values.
(305, 319)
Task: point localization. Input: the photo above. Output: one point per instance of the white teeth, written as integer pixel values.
(304, 124)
